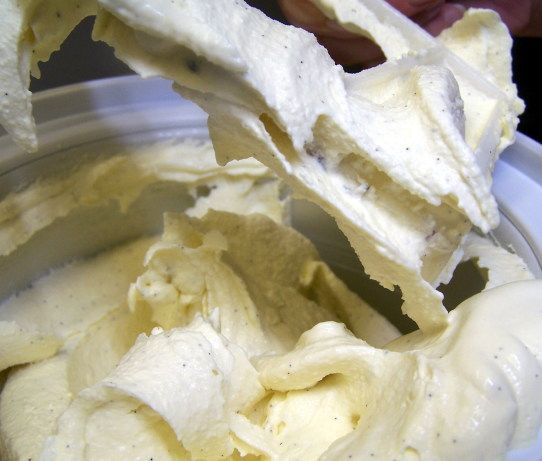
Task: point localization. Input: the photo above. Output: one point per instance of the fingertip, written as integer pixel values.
(447, 16)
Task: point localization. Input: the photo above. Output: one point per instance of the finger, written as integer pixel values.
(303, 13)
(349, 49)
(435, 21)
(363, 51)
(344, 47)
(413, 7)
(350, 52)
(426, 16)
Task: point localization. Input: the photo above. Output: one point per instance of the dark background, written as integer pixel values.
(80, 59)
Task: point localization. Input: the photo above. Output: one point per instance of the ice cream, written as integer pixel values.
(249, 345)
(260, 307)
(234, 339)
(404, 201)
(30, 30)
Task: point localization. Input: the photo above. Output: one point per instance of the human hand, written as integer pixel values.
(523, 17)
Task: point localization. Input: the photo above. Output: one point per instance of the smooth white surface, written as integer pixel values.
(129, 109)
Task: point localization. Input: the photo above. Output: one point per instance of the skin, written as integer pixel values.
(523, 18)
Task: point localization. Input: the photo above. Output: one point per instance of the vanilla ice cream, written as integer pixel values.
(228, 337)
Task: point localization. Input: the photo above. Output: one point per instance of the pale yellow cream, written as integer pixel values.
(228, 337)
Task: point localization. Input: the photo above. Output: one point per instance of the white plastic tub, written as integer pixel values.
(80, 122)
